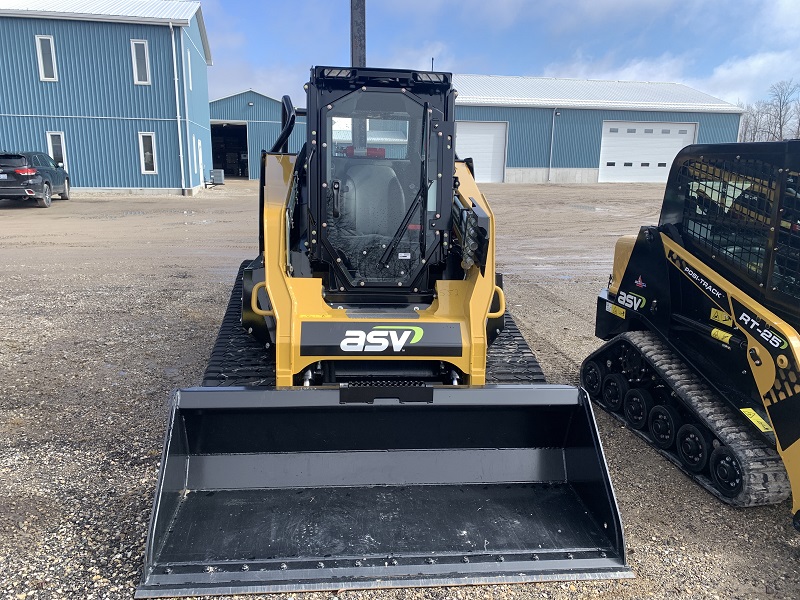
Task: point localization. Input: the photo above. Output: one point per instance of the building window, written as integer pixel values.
(189, 67)
(46, 53)
(611, 164)
(147, 152)
(645, 164)
(614, 130)
(631, 131)
(628, 164)
(648, 131)
(665, 131)
(682, 131)
(141, 62)
(662, 164)
(55, 144)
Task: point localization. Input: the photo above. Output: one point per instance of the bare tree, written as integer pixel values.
(795, 130)
(782, 98)
(776, 118)
(748, 124)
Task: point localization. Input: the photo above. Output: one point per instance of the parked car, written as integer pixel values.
(32, 175)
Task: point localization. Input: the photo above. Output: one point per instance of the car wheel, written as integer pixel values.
(47, 196)
(65, 194)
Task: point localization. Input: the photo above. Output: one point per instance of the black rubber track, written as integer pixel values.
(237, 359)
(763, 474)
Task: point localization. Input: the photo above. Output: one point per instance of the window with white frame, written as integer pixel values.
(147, 152)
(46, 53)
(55, 144)
(189, 67)
(141, 62)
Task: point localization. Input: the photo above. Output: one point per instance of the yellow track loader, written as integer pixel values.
(702, 315)
(371, 416)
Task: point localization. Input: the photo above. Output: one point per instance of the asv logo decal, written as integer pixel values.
(379, 338)
(631, 300)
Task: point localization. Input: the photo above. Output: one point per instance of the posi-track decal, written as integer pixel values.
(712, 291)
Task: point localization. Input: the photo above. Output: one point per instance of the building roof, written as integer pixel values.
(152, 12)
(548, 92)
(250, 91)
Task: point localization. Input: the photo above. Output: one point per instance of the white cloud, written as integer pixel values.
(273, 82)
(666, 67)
(744, 79)
(748, 79)
(418, 57)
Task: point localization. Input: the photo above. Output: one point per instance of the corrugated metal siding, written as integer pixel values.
(544, 92)
(528, 131)
(100, 152)
(263, 123)
(235, 108)
(577, 136)
(95, 72)
(94, 102)
(198, 112)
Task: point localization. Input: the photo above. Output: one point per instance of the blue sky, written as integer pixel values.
(731, 49)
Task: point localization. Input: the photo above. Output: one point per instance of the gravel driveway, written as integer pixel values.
(110, 302)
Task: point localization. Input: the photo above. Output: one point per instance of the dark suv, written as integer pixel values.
(32, 175)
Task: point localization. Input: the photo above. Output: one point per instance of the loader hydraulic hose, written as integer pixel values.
(254, 301)
(501, 309)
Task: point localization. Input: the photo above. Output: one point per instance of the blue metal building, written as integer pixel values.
(242, 125)
(536, 129)
(527, 129)
(117, 91)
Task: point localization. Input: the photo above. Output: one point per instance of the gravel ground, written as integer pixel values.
(110, 302)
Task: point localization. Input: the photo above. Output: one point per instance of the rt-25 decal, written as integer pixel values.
(751, 323)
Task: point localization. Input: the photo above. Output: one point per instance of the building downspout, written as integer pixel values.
(177, 107)
(186, 112)
(552, 137)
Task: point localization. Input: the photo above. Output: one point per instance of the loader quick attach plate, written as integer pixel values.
(282, 490)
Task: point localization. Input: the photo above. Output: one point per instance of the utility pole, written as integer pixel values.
(358, 33)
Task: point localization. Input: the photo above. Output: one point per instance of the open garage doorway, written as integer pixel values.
(229, 148)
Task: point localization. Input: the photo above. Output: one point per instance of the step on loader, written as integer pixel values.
(371, 416)
(701, 318)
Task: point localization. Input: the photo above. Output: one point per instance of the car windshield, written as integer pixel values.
(375, 153)
(12, 160)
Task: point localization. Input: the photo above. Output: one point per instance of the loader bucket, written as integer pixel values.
(279, 490)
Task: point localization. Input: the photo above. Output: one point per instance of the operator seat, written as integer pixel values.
(373, 202)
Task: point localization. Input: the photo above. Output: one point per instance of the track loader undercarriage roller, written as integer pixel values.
(643, 384)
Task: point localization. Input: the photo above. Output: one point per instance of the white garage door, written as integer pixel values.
(485, 143)
(636, 151)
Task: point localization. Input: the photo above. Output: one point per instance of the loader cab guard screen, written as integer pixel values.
(747, 214)
(379, 184)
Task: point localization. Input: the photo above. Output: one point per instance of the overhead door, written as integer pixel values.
(641, 152)
(485, 143)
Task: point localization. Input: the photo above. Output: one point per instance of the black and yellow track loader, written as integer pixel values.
(371, 416)
(701, 318)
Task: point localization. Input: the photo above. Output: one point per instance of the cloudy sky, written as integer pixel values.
(731, 49)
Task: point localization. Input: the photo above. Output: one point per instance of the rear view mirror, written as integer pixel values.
(60, 165)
